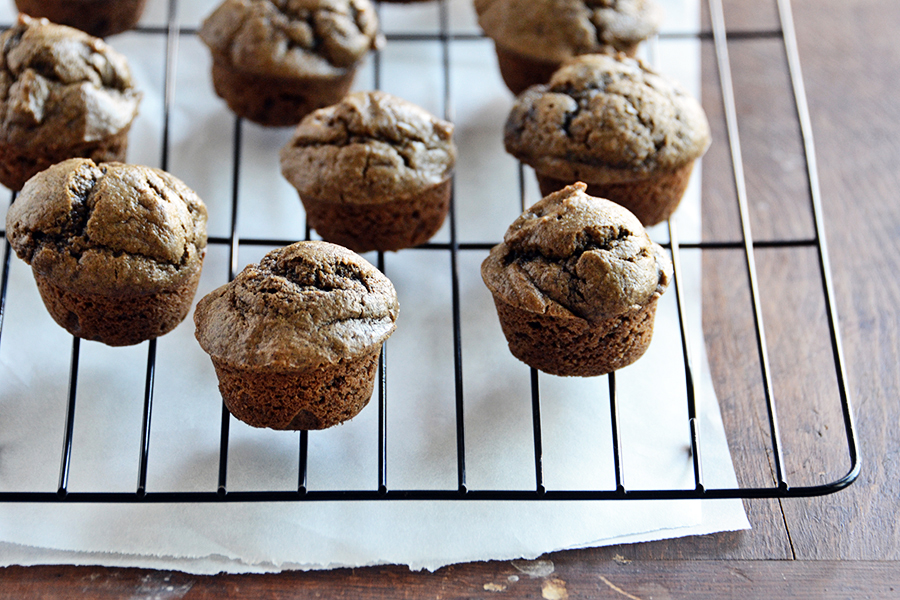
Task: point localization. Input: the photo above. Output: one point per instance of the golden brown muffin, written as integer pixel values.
(533, 38)
(295, 339)
(116, 250)
(97, 17)
(631, 134)
(575, 282)
(274, 61)
(373, 171)
(63, 94)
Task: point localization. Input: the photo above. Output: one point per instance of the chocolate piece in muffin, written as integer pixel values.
(116, 250)
(63, 94)
(295, 339)
(96, 17)
(631, 134)
(275, 61)
(576, 282)
(533, 38)
(373, 171)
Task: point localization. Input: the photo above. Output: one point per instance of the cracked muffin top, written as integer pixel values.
(572, 254)
(61, 87)
(370, 147)
(304, 305)
(292, 38)
(555, 30)
(110, 229)
(606, 118)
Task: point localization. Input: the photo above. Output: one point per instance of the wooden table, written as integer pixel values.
(843, 545)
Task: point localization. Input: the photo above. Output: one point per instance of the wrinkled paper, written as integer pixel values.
(421, 409)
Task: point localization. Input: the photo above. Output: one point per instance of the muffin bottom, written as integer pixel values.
(99, 18)
(298, 400)
(652, 200)
(118, 320)
(574, 346)
(382, 226)
(18, 165)
(520, 72)
(277, 101)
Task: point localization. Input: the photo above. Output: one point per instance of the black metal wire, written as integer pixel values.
(717, 17)
(382, 405)
(462, 486)
(815, 197)
(4, 280)
(720, 37)
(66, 459)
(690, 382)
(146, 418)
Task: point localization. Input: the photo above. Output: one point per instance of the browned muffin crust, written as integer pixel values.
(571, 254)
(533, 37)
(556, 30)
(63, 93)
(292, 38)
(316, 399)
(116, 249)
(303, 306)
(295, 338)
(373, 171)
(576, 281)
(609, 118)
(629, 132)
(384, 226)
(369, 148)
(96, 17)
(275, 61)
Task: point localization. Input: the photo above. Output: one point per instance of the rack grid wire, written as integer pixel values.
(780, 488)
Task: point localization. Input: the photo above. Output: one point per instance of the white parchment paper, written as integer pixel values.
(421, 443)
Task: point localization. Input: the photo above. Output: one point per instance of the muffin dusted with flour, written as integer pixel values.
(533, 38)
(275, 61)
(632, 134)
(295, 339)
(576, 281)
(373, 171)
(63, 94)
(116, 250)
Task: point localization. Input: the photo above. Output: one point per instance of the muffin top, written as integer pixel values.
(292, 38)
(574, 255)
(61, 87)
(110, 229)
(555, 30)
(304, 305)
(606, 119)
(371, 147)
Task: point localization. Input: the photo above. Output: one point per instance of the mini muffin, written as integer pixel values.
(63, 94)
(373, 171)
(295, 339)
(96, 17)
(116, 250)
(532, 38)
(631, 134)
(576, 282)
(274, 61)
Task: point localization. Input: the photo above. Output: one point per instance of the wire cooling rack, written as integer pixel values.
(780, 487)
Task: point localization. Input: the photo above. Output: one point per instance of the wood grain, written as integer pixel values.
(557, 578)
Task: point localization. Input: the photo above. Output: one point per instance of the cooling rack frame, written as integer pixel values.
(780, 488)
